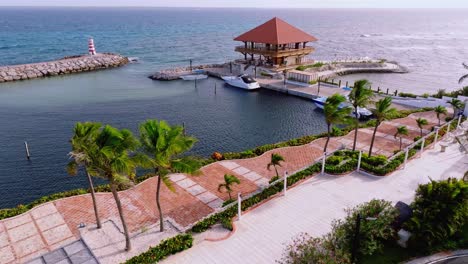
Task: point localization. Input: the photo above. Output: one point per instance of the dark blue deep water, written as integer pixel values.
(431, 43)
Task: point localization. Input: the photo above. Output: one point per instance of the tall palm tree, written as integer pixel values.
(83, 140)
(335, 113)
(163, 144)
(381, 112)
(401, 130)
(275, 161)
(110, 160)
(229, 180)
(360, 96)
(457, 106)
(464, 76)
(421, 122)
(440, 110)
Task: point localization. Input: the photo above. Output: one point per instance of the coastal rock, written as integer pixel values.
(70, 64)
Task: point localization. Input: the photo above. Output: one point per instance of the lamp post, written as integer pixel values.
(355, 248)
(190, 64)
(284, 75)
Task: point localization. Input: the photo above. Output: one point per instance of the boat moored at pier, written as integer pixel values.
(242, 81)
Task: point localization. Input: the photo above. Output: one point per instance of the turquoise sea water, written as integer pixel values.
(431, 43)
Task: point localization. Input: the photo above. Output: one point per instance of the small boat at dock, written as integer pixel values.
(362, 113)
(242, 81)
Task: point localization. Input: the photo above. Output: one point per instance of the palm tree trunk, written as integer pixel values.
(328, 139)
(400, 142)
(421, 131)
(373, 138)
(93, 197)
(355, 129)
(158, 189)
(438, 117)
(128, 246)
(277, 175)
(229, 193)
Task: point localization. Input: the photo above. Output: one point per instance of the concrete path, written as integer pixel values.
(262, 234)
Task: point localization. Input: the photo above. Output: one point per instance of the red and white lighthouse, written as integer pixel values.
(91, 49)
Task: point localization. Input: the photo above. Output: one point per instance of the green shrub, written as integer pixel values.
(313, 82)
(227, 223)
(440, 213)
(378, 160)
(336, 132)
(165, 248)
(373, 233)
(306, 249)
(407, 95)
(273, 179)
(334, 160)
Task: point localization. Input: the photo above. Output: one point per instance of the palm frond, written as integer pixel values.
(463, 78)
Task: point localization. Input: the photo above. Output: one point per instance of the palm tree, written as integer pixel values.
(360, 96)
(229, 180)
(275, 161)
(83, 140)
(335, 113)
(440, 110)
(464, 76)
(381, 112)
(457, 105)
(421, 122)
(163, 144)
(401, 130)
(109, 159)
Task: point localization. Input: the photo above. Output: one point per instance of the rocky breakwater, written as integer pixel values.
(67, 65)
(175, 73)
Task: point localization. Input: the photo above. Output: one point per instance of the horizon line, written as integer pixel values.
(219, 7)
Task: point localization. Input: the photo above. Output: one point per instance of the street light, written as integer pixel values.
(356, 236)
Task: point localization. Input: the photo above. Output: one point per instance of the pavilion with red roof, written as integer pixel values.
(275, 43)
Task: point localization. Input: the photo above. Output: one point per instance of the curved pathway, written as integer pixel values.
(55, 224)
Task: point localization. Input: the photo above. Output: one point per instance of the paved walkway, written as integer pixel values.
(55, 224)
(262, 234)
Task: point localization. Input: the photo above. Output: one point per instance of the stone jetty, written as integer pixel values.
(67, 65)
(175, 73)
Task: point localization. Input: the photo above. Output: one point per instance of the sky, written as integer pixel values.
(249, 3)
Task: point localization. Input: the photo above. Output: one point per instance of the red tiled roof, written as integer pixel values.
(275, 31)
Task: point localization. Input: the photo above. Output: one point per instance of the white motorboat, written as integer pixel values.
(242, 81)
(193, 77)
(362, 113)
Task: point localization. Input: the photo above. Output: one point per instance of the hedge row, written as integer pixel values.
(165, 248)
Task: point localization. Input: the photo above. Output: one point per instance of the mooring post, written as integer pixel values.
(359, 160)
(239, 206)
(339, 83)
(195, 82)
(396, 92)
(459, 121)
(190, 64)
(285, 183)
(215, 88)
(347, 84)
(255, 71)
(323, 162)
(318, 90)
(378, 89)
(387, 91)
(422, 147)
(230, 66)
(27, 150)
(406, 158)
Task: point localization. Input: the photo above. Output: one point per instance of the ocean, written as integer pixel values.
(430, 43)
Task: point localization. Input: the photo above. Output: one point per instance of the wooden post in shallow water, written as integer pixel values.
(215, 88)
(387, 91)
(28, 156)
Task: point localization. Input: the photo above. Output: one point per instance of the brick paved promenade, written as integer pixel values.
(55, 224)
